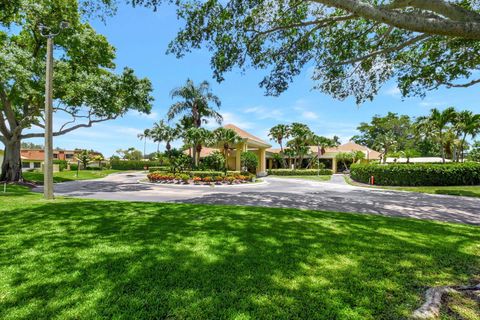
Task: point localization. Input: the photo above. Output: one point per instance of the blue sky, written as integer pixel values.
(141, 37)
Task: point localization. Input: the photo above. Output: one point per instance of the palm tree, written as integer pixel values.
(197, 138)
(301, 135)
(279, 133)
(321, 143)
(466, 123)
(336, 141)
(144, 136)
(226, 139)
(195, 104)
(162, 132)
(437, 121)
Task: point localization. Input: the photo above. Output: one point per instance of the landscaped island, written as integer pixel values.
(201, 177)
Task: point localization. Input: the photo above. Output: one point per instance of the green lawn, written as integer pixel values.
(313, 178)
(86, 259)
(63, 176)
(467, 191)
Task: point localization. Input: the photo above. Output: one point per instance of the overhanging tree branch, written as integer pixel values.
(463, 85)
(316, 22)
(444, 8)
(386, 50)
(65, 131)
(408, 21)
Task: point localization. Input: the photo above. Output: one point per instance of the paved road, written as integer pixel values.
(334, 195)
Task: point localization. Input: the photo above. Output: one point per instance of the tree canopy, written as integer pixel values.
(87, 89)
(352, 46)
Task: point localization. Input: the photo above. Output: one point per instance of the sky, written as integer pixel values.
(141, 37)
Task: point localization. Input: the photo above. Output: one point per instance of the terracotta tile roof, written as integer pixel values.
(205, 151)
(32, 154)
(245, 135)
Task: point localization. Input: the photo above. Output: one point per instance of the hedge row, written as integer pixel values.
(451, 174)
(299, 172)
(133, 164)
(159, 168)
(62, 164)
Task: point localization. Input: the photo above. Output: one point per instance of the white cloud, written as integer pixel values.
(304, 108)
(152, 115)
(309, 115)
(232, 118)
(262, 113)
(431, 104)
(393, 91)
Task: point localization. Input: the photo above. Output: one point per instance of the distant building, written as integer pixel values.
(417, 160)
(329, 154)
(33, 158)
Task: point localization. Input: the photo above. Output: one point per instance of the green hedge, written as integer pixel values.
(299, 172)
(159, 168)
(62, 164)
(203, 174)
(133, 164)
(450, 174)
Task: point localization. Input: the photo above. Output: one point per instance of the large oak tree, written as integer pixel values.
(354, 46)
(87, 90)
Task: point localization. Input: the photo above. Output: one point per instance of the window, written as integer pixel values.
(25, 165)
(55, 155)
(69, 156)
(37, 165)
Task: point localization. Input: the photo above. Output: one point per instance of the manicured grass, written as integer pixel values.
(466, 191)
(465, 306)
(63, 176)
(86, 259)
(313, 178)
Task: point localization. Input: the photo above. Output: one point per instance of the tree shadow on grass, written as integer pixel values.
(92, 259)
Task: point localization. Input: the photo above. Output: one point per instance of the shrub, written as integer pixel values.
(214, 161)
(133, 164)
(449, 174)
(160, 176)
(207, 179)
(230, 179)
(203, 174)
(93, 168)
(197, 180)
(249, 161)
(159, 168)
(184, 178)
(299, 172)
(74, 167)
(62, 164)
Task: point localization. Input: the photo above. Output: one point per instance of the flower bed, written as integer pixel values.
(215, 178)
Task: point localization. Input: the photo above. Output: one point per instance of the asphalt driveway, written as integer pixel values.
(334, 195)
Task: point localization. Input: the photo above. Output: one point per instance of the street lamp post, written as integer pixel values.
(48, 162)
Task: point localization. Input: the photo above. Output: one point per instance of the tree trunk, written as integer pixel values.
(12, 163)
(194, 155)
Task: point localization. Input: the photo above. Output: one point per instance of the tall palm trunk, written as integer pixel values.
(284, 162)
(442, 146)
